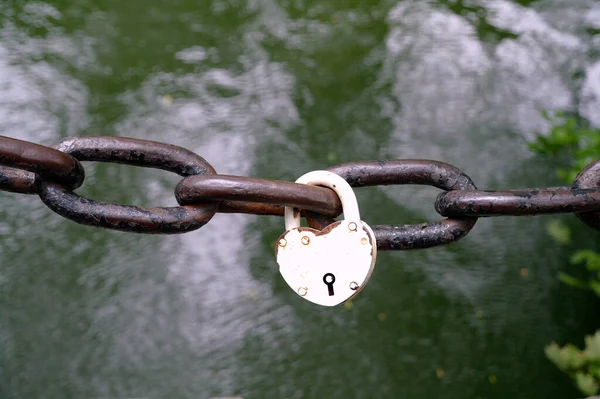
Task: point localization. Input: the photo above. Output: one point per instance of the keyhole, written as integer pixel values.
(329, 279)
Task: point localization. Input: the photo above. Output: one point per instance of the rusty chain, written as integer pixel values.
(53, 173)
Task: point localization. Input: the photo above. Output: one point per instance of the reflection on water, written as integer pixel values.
(275, 89)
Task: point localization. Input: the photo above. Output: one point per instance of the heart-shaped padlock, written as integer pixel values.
(327, 267)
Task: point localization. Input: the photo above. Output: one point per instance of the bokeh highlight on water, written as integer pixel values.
(276, 89)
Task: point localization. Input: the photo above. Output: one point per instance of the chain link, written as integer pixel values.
(54, 174)
(517, 202)
(410, 171)
(245, 194)
(589, 178)
(49, 164)
(181, 219)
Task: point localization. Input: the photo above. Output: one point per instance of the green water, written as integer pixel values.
(275, 89)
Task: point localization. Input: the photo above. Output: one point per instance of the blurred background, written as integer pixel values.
(274, 89)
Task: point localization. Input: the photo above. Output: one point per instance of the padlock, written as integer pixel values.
(327, 267)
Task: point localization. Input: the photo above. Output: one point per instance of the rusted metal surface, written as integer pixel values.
(419, 236)
(136, 152)
(410, 171)
(167, 220)
(517, 202)
(405, 171)
(53, 174)
(17, 181)
(135, 219)
(589, 178)
(242, 192)
(49, 163)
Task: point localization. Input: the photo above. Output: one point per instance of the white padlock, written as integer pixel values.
(327, 267)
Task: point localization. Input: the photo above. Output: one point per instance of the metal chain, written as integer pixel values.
(53, 173)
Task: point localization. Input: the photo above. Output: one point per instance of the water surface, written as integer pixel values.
(276, 89)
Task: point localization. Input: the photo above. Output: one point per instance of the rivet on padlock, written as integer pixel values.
(327, 267)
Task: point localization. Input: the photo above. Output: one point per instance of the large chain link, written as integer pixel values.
(54, 174)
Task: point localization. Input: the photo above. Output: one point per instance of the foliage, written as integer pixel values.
(591, 260)
(582, 365)
(580, 145)
(568, 135)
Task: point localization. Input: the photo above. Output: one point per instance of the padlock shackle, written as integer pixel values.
(334, 182)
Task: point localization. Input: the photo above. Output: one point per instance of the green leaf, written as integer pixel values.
(543, 146)
(586, 384)
(572, 281)
(571, 138)
(587, 256)
(568, 358)
(566, 175)
(545, 115)
(595, 371)
(560, 232)
(592, 347)
(595, 286)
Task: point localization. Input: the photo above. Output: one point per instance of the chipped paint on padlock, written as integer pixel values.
(327, 267)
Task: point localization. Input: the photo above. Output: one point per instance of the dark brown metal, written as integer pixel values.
(250, 195)
(419, 236)
(251, 208)
(517, 202)
(17, 181)
(136, 152)
(589, 178)
(410, 171)
(406, 171)
(54, 173)
(47, 162)
(316, 220)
